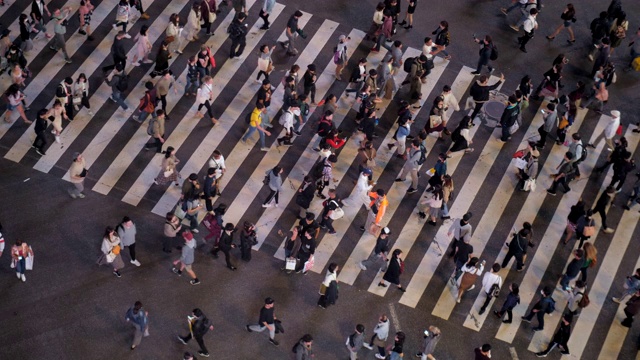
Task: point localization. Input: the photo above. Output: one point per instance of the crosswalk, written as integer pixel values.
(112, 145)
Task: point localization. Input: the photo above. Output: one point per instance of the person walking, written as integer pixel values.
(545, 305)
(340, 55)
(77, 174)
(123, 12)
(204, 97)
(572, 271)
(487, 49)
(168, 171)
(483, 352)
(266, 321)
(631, 310)
(513, 299)
(560, 338)
(143, 47)
(550, 118)
(430, 340)
(509, 117)
(162, 90)
(529, 26)
(85, 11)
(631, 286)
(162, 60)
(307, 245)
(329, 287)
(379, 338)
(119, 82)
(576, 212)
(394, 270)
(247, 240)
(621, 168)
(461, 231)
(139, 318)
(292, 33)
(397, 352)
(238, 34)
(568, 17)
(355, 342)
(81, 93)
(470, 272)
(590, 260)
(192, 27)
(40, 127)
(565, 171)
(480, 91)
(118, 52)
(265, 11)
(518, 249)
(15, 97)
(412, 163)
(491, 284)
(19, 254)
(303, 349)
(256, 124)
(199, 325)
(173, 34)
(172, 226)
(380, 255)
(305, 195)
(156, 130)
(275, 186)
(609, 131)
(38, 9)
(331, 212)
(187, 258)
(60, 28)
(603, 202)
(111, 251)
(576, 299)
(225, 244)
(127, 233)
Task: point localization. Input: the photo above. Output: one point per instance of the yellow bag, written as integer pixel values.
(563, 123)
(116, 250)
(636, 64)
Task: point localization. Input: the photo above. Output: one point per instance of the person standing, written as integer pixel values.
(512, 300)
(139, 318)
(208, 15)
(172, 227)
(428, 346)
(394, 270)
(529, 26)
(238, 34)
(355, 342)
(266, 10)
(162, 60)
(40, 128)
(340, 55)
(173, 34)
(247, 240)
(545, 305)
(561, 337)
(81, 91)
(631, 286)
(199, 324)
(329, 287)
(292, 33)
(187, 258)
(574, 298)
(480, 91)
(275, 186)
(19, 254)
(601, 207)
(412, 164)
(379, 256)
(77, 174)
(490, 282)
(307, 246)
(266, 321)
(60, 28)
(127, 233)
(111, 251)
(192, 27)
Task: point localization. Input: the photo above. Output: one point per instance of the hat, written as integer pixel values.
(615, 113)
(75, 155)
(296, 112)
(385, 230)
(342, 37)
(193, 177)
(367, 171)
(535, 153)
(311, 67)
(268, 301)
(187, 235)
(467, 216)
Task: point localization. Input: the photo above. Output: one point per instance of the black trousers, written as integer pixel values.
(265, 17)
(487, 300)
(157, 143)
(41, 141)
(116, 61)
(476, 109)
(272, 195)
(523, 40)
(603, 215)
(519, 260)
(239, 44)
(539, 315)
(207, 105)
(132, 251)
(199, 340)
(328, 222)
(227, 255)
(310, 90)
(136, 4)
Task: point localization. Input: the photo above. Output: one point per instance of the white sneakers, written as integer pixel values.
(367, 346)
(608, 230)
(135, 262)
(362, 266)
(21, 277)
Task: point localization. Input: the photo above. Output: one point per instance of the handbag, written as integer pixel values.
(212, 16)
(337, 213)
(435, 121)
(323, 289)
(77, 100)
(116, 249)
(168, 173)
(179, 213)
(431, 171)
(520, 163)
(589, 230)
(563, 123)
(278, 326)
(169, 39)
(110, 257)
(529, 185)
(269, 67)
(308, 264)
(290, 264)
(374, 229)
(619, 130)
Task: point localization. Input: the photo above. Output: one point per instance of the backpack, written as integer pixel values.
(584, 302)
(152, 122)
(552, 306)
(408, 63)
(495, 290)
(123, 82)
(494, 53)
(583, 156)
(61, 91)
(248, 117)
(423, 155)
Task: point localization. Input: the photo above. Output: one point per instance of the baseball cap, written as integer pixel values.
(342, 37)
(75, 155)
(187, 235)
(268, 301)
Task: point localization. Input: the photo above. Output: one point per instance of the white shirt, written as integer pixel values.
(612, 127)
(331, 276)
(427, 49)
(287, 120)
(450, 101)
(205, 93)
(529, 24)
(217, 164)
(377, 17)
(489, 279)
(466, 135)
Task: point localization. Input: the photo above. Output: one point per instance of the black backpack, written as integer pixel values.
(123, 82)
(408, 63)
(583, 156)
(61, 91)
(552, 306)
(248, 117)
(494, 53)
(423, 155)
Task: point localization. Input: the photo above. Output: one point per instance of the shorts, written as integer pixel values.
(567, 23)
(571, 226)
(411, 9)
(188, 267)
(11, 107)
(87, 19)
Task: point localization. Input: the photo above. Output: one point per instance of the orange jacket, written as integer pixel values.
(381, 208)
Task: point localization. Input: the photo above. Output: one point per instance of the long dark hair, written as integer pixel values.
(167, 153)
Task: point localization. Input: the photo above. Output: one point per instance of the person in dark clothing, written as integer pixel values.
(599, 27)
(573, 269)
(307, 249)
(247, 240)
(512, 300)
(305, 195)
(620, 170)
(394, 270)
(540, 308)
(40, 128)
(266, 321)
(619, 150)
(483, 352)
(118, 52)
(238, 34)
(309, 223)
(226, 244)
(480, 91)
(309, 82)
(162, 60)
(561, 337)
(509, 117)
(601, 207)
(517, 248)
(632, 308)
(379, 256)
(330, 205)
(486, 48)
(565, 169)
(209, 188)
(603, 56)
(199, 325)
(325, 127)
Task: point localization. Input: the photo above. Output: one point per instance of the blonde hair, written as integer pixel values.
(435, 330)
(591, 253)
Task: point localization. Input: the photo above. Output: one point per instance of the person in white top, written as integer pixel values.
(470, 272)
(217, 162)
(205, 98)
(360, 195)
(380, 335)
(528, 26)
(122, 16)
(450, 100)
(489, 281)
(609, 131)
(286, 120)
(327, 299)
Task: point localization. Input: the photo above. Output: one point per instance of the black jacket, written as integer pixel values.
(226, 241)
(510, 116)
(40, 125)
(480, 93)
(201, 326)
(393, 271)
(332, 293)
(305, 197)
(237, 30)
(562, 335)
(117, 49)
(518, 245)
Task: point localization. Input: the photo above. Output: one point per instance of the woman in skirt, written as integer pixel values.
(173, 34)
(168, 171)
(162, 60)
(470, 272)
(394, 270)
(81, 91)
(461, 137)
(111, 251)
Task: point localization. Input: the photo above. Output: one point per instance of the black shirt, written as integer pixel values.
(117, 49)
(464, 250)
(266, 316)
(41, 125)
(382, 245)
(308, 79)
(292, 24)
(332, 204)
(264, 96)
(204, 57)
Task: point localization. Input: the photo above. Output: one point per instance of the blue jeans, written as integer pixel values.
(565, 280)
(202, 71)
(445, 210)
(117, 96)
(253, 129)
(20, 266)
(193, 221)
(192, 86)
(143, 115)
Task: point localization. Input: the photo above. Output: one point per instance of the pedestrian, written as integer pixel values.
(266, 321)
(264, 98)
(512, 300)
(590, 260)
(172, 226)
(461, 231)
(509, 118)
(396, 352)
(309, 83)
(576, 212)
(600, 28)
(60, 28)
(431, 337)
(265, 11)
(77, 174)
(631, 286)
(204, 98)
(143, 47)
(565, 172)
(568, 16)
(340, 55)
(81, 93)
(187, 258)
(139, 318)
(199, 324)
(379, 338)
(20, 252)
(255, 124)
(292, 33)
(518, 249)
(208, 15)
(168, 171)
(380, 255)
(118, 52)
(111, 251)
(307, 246)
(326, 176)
(545, 305)
(275, 186)
(491, 284)
(377, 207)
(305, 195)
(470, 272)
(355, 342)
(40, 128)
(193, 80)
(156, 130)
(394, 270)
(368, 155)
(413, 160)
(238, 34)
(127, 234)
(214, 224)
(247, 240)
(332, 210)
(572, 271)
(585, 228)
(461, 137)
(480, 91)
(173, 34)
(265, 63)
(621, 168)
(487, 51)
(225, 244)
(329, 287)
(302, 349)
(603, 202)
(576, 299)
(192, 27)
(209, 189)
(137, 4)
(123, 11)
(529, 26)
(15, 98)
(560, 338)
(376, 24)
(434, 204)
(483, 352)
(634, 197)
(162, 89)
(550, 116)
(162, 60)
(192, 208)
(632, 308)
(119, 82)
(38, 9)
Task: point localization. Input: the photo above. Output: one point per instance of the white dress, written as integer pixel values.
(57, 119)
(143, 46)
(360, 194)
(192, 28)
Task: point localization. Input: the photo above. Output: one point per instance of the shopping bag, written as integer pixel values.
(374, 229)
(291, 264)
(431, 171)
(308, 264)
(529, 185)
(29, 260)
